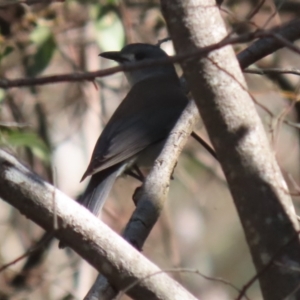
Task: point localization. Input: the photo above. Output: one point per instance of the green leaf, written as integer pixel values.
(2, 95)
(46, 46)
(40, 34)
(6, 52)
(26, 139)
(112, 2)
(109, 29)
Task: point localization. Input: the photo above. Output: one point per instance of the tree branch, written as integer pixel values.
(269, 41)
(294, 71)
(88, 236)
(228, 112)
(265, 46)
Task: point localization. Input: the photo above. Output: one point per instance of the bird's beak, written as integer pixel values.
(114, 55)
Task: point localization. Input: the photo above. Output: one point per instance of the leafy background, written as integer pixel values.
(53, 128)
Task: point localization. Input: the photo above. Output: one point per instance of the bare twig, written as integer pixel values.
(255, 10)
(187, 270)
(205, 145)
(90, 76)
(294, 71)
(5, 3)
(13, 125)
(272, 38)
(42, 242)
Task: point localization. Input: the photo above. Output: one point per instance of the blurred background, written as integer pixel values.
(53, 128)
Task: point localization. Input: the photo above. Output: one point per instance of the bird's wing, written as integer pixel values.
(141, 119)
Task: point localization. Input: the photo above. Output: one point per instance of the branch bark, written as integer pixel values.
(255, 181)
(265, 46)
(88, 236)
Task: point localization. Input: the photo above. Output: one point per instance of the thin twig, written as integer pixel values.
(13, 125)
(47, 237)
(90, 76)
(183, 270)
(204, 144)
(294, 71)
(255, 10)
(5, 3)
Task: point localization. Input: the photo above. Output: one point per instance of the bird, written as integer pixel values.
(141, 124)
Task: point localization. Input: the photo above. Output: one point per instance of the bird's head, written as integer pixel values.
(139, 52)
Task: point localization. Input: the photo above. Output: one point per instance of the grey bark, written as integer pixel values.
(228, 112)
(105, 250)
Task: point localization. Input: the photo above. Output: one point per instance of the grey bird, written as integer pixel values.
(138, 129)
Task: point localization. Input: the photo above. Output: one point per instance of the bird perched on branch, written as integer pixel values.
(138, 129)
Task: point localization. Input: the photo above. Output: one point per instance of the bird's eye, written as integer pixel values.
(140, 56)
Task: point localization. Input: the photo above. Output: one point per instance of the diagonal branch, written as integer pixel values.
(89, 237)
(265, 46)
(235, 129)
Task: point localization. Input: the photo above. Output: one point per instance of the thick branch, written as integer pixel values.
(265, 46)
(89, 237)
(255, 181)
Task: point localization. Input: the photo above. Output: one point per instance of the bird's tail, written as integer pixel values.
(98, 188)
(97, 191)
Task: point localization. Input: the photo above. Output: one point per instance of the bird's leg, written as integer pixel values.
(140, 176)
(139, 172)
(205, 145)
(172, 174)
(132, 174)
(135, 195)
